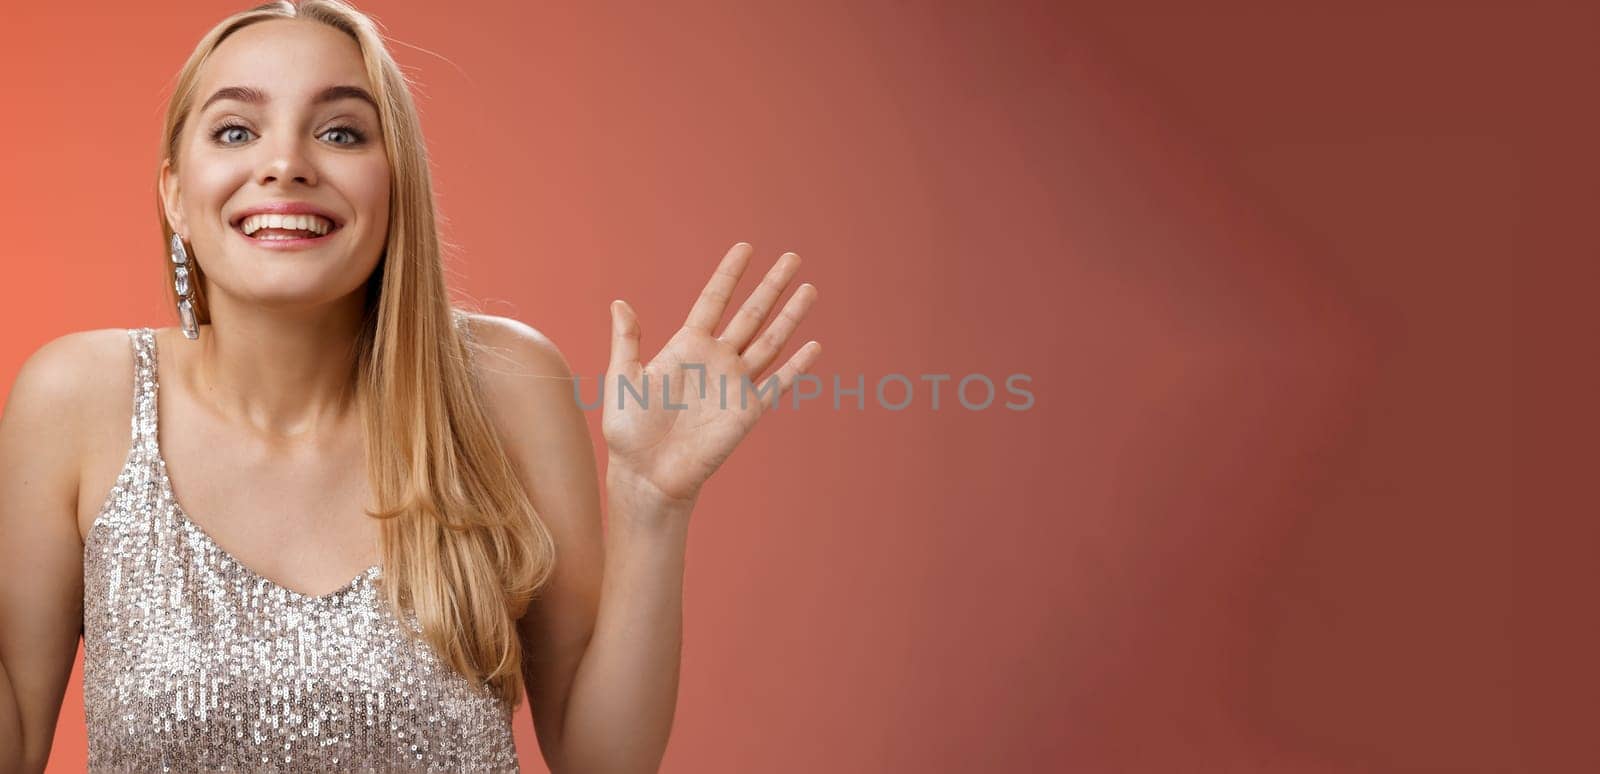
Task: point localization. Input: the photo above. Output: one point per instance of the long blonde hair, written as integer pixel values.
(463, 548)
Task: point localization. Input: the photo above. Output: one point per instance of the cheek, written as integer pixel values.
(208, 182)
(368, 189)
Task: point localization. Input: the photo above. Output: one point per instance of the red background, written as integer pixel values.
(1287, 499)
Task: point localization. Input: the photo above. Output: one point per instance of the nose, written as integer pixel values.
(286, 160)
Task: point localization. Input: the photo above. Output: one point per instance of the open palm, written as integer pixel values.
(684, 412)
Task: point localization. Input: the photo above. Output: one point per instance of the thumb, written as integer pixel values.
(624, 338)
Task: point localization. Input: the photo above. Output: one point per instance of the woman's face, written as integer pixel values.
(280, 118)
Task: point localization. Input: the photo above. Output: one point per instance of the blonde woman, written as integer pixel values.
(329, 522)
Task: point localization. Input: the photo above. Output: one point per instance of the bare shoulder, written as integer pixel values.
(528, 388)
(509, 352)
(60, 401)
(70, 376)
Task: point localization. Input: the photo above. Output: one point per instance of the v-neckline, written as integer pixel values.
(200, 532)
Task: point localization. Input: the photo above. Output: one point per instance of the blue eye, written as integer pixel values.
(354, 136)
(235, 134)
(225, 129)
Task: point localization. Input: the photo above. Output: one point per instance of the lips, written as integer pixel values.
(265, 226)
(285, 221)
(285, 225)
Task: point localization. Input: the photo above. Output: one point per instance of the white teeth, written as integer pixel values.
(315, 224)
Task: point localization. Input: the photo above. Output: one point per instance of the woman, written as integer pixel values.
(389, 527)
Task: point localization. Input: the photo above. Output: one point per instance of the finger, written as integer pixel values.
(760, 354)
(755, 310)
(624, 338)
(708, 308)
(800, 362)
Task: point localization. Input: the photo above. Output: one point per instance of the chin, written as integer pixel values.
(300, 291)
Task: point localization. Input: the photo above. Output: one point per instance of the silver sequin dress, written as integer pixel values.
(192, 662)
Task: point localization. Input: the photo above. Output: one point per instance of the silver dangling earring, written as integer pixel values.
(180, 283)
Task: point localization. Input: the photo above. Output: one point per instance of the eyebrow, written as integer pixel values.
(256, 96)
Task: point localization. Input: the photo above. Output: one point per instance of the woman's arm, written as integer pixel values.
(10, 727)
(628, 678)
(601, 671)
(604, 639)
(529, 391)
(41, 555)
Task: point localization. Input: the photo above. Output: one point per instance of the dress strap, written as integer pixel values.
(144, 387)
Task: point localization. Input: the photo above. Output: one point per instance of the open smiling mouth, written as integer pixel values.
(271, 228)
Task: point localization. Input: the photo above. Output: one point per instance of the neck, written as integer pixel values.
(285, 373)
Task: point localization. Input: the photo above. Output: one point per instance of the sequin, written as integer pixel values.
(193, 662)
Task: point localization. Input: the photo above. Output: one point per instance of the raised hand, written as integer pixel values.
(673, 445)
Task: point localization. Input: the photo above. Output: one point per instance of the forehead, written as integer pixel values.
(285, 58)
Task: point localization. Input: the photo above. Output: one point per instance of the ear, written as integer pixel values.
(172, 199)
